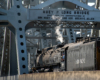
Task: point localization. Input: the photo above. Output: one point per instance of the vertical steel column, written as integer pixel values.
(95, 33)
(13, 56)
(71, 35)
(19, 22)
(53, 35)
(21, 51)
(1, 44)
(43, 41)
(49, 41)
(65, 35)
(83, 33)
(5, 54)
(86, 1)
(97, 4)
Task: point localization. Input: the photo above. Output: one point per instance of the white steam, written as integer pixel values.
(59, 35)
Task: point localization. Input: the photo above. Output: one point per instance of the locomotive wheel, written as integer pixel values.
(56, 68)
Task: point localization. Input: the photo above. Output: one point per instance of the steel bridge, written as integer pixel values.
(52, 22)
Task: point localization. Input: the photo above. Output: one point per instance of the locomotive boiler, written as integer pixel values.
(84, 55)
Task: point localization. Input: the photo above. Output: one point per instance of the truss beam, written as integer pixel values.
(49, 2)
(64, 15)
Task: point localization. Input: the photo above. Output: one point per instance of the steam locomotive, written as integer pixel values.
(82, 55)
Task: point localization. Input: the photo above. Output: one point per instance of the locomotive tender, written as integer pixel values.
(84, 55)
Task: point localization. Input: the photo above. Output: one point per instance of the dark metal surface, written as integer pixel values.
(51, 57)
(13, 56)
(87, 56)
(73, 58)
(81, 57)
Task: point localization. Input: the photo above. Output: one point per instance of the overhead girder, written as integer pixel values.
(65, 24)
(64, 15)
(60, 5)
(75, 2)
